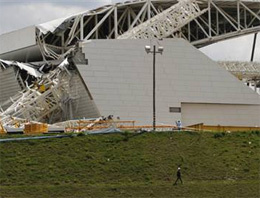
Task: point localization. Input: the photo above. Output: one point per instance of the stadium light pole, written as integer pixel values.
(154, 52)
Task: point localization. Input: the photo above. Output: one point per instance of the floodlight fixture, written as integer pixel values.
(148, 49)
(160, 49)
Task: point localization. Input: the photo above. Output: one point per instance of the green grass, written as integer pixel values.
(213, 165)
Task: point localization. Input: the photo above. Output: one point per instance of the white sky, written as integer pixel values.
(16, 14)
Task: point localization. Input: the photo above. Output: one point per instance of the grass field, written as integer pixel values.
(128, 165)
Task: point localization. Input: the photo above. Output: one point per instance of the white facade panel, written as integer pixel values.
(119, 77)
(219, 114)
(8, 84)
(17, 39)
(82, 104)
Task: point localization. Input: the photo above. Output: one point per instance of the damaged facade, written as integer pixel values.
(46, 91)
(94, 64)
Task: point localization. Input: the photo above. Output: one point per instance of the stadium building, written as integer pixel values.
(101, 62)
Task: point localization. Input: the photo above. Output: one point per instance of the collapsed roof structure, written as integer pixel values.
(45, 63)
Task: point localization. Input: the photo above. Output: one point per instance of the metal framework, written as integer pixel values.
(40, 100)
(243, 70)
(167, 22)
(249, 72)
(201, 22)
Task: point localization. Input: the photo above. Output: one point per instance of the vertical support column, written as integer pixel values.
(238, 14)
(197, 32)
(62, 44)
(149, 9)
(189, 31)
(209, 16)
(128, 18)
(109, 24)
(217, 21)
(81, 28)
(245, 18)
(115, 22)
(96, 22)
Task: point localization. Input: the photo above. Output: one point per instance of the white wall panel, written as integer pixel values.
(220, 114)
(8, 84)
(17, 39)
(119, 77)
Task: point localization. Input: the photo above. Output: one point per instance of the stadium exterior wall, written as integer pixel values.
(8, 84)
(220, 114)
(119, 79)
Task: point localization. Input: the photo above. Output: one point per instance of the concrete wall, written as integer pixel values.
(82, 104)
(20, 45)
(219, 114)
(8, 84)
(17, 39)
(119, 77)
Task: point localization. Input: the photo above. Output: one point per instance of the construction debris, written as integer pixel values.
(23, 66)
(45, 97)
(48, 90)
(33, 128)
(2, 129)
(39, 99)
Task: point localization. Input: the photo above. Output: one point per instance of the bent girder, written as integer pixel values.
(167, 22)
(219, 20)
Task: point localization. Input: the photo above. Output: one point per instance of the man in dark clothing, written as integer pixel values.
(178, 176)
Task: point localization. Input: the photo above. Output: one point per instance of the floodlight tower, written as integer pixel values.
(154, 52)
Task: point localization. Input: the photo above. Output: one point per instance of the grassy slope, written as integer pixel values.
(139, 166)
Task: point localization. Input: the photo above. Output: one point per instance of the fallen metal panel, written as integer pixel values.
(51, 26)
(103, 131)
(17, 39)
(27, 54)
(22, 66)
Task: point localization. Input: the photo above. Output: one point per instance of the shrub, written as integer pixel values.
(256, 133)
(126, 135)
(81, 134)
(219, 135)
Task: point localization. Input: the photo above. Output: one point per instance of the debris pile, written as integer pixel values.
(48, 89)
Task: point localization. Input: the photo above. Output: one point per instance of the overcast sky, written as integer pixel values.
(16, 14)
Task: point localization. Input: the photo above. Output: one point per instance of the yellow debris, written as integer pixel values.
(34, 128)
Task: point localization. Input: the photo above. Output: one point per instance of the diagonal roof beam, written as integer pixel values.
(254, 14)
(138, 15)
(223, 14)
(99, 23)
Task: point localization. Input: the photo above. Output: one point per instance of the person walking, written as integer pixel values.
(178, 176)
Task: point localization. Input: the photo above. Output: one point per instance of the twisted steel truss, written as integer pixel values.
(167, 22)
(39, 101)
(249, 71)
(201, 22)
